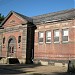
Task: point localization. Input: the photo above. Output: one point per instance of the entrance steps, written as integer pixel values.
(3, 60)
(12, 60)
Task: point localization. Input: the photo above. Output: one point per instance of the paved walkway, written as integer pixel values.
(33, 70)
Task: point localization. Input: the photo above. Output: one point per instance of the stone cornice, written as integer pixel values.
(14, 28)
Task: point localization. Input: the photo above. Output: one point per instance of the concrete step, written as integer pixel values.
(3, 60)
(43, 62)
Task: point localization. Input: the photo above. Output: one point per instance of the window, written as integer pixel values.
(56, 36)
(3, 40)
(41, 37)
(19, 39)
(48, 36)
(9, 49)
(12, 49)
(65, 35)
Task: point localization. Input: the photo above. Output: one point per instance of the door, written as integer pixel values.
(11, 47)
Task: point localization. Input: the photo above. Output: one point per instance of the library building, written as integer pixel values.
(48, 37)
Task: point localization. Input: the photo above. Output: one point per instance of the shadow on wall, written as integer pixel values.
(30, 43)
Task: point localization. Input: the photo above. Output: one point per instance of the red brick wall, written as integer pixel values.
(17, 20)
(60, 51)
(8, 23)
(18, 50)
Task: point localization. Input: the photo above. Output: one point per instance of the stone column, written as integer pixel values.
(24, 40)
(1, 40)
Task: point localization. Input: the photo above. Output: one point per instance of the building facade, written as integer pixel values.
(44, 37)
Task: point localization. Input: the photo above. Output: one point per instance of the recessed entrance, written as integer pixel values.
(11, 47)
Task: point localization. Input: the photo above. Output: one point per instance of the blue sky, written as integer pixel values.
(34, 7)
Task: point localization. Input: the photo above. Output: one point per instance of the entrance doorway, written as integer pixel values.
(11, 47)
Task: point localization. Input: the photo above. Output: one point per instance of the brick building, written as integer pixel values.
(44, 37)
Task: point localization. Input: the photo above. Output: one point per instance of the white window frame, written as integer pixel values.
(57, 35)
(65, 34)
(40, 37)
(48, 36)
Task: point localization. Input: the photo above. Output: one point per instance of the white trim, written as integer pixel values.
(48, 42)
(41, 42)
(48, 36)
(57, 42)
(65, 41)
(64, 36)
